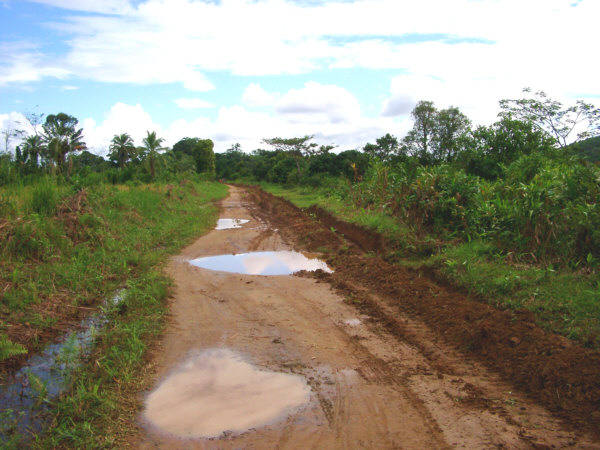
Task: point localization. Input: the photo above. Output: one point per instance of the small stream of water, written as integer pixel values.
(25, 395)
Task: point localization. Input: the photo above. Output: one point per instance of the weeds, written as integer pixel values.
(65, 259)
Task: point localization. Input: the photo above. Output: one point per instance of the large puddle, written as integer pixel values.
(261, 263)
(227, 224)
(217, 391)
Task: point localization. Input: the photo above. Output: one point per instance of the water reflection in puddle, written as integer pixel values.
(261, 263)
(217, 391)
(352, 322)
(227, 224)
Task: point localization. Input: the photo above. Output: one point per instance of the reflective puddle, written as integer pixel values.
(352, 322)
(217, 391)
(227, 224)
(261, 263)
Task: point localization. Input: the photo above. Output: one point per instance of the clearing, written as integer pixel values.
(369, 356)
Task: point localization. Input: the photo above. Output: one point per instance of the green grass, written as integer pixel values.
(57, 260)
(564, 301)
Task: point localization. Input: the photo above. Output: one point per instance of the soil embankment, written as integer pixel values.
(391, 359)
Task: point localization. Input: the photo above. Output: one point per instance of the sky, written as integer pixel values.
(239, 71)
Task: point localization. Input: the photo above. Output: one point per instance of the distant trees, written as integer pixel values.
(201, 150)
(152, 145)
(61, 137)
(384, 148)
(297, 148)
(436, 136)
(552, 117)
(122, 149)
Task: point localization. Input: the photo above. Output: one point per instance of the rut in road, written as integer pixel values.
(365, 386)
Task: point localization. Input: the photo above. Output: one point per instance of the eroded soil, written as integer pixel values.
(392, 359)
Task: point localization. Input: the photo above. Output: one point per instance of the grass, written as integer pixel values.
(563, 301)
(69, 257)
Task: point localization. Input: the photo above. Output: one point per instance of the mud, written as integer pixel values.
(393, 360)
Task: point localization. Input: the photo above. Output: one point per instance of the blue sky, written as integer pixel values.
(243, 70)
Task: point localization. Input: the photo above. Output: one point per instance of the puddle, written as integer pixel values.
(25, 394)
(261, 263)
(227, 224)
(352, 322)
(217, 391)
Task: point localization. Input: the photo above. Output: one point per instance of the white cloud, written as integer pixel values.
(316, 103)
(166, 41)
(68, 87)
(10, 125)
(254, 95)
(121, 118)
(192, 103)
(104, 6)
(238, 124)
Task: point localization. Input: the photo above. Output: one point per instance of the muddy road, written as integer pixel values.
(319, 360)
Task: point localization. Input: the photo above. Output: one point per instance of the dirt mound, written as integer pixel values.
(562, 375)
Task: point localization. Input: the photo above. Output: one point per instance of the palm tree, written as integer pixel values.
(62, 137)
(122, 149)
(152, 144)
(32, 149)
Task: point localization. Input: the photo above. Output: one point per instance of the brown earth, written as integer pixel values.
(393, 359)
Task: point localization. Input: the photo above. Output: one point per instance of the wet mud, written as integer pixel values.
(391, 358)
(562, 375)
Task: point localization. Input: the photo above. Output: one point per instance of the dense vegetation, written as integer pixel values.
(509, 211)
(74, 229)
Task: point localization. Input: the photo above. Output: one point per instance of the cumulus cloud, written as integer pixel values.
(255, 95)
(160, 41)
(318, 103)
(121, 118)
(237, 124)
(12, 129)
(192, 103)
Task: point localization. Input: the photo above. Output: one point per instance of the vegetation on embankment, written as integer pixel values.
(66, 248)
(562, 290)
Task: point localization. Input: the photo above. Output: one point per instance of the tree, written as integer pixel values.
(204, 156)
(185, 146)
(62, 137)
(121, 149)
(418, 141)
(32, 149)
(297, 148)
(551, 116)
(384, 148)
(450, 134)
(153, 146)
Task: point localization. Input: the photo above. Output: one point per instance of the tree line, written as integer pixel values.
(532, 125)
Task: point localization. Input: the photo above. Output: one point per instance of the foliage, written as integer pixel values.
(297, 148)
(204, 156)
(384, 148)
(121, 149)
(153, 146)
(436, 136)
(553, 117)
(9, 349)
(61, 137)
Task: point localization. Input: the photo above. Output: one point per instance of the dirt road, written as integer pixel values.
(349, 380)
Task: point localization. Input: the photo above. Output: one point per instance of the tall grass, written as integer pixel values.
(65, 249)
